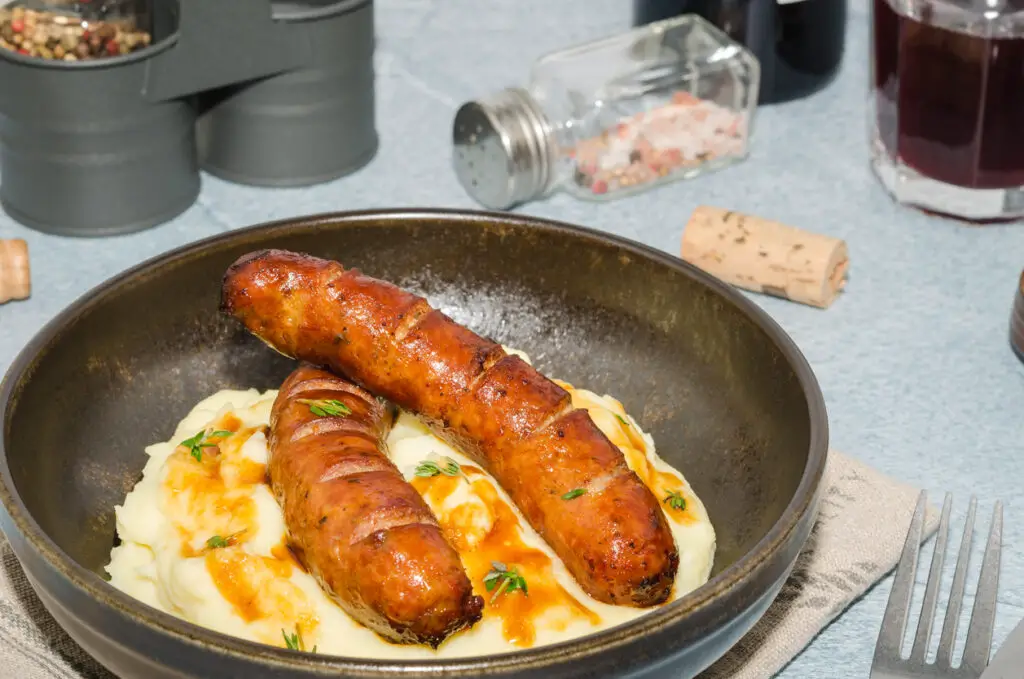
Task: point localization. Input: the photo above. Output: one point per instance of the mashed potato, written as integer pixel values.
(202, 538)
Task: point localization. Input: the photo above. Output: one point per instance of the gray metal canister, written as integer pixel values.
(107, 146)
(305, 126)
(83, 153)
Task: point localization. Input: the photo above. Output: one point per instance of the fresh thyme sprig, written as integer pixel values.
(675, 500)
(326, 407)
(574, 493)
(219, 542)
(294, 640)
(201, 440)
(504, 580)
(445, 465)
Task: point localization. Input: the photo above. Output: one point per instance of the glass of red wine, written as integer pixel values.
(947, 105)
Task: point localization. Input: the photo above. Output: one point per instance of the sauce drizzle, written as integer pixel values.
(211, 497)
(485, 529)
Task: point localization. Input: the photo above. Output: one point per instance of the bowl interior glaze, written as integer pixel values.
(727, 398)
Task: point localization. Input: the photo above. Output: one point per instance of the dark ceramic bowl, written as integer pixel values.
(724, 392)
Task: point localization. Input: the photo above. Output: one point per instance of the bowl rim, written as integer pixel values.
(804, 499)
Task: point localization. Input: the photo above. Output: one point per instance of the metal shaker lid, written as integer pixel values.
(503, 150)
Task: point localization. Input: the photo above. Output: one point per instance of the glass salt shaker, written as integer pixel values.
(670, 100)
(75, 30)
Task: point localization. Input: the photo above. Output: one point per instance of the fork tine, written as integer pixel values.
(894, 622)
(931, 590)
(979, 634)
(956, 594)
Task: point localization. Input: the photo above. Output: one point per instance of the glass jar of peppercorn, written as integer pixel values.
(75, 30)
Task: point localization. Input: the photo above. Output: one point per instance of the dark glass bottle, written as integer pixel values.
(799, 43)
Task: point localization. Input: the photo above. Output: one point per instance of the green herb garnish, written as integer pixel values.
(428, 468)
(201, 440)
(621, 419)
(504, 580)
(326, 407)
(219, 542)
(216, 542)
(294, 641)
(574, 493)
(675, 500)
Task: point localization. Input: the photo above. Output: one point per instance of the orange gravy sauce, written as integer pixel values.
(481, 542)
(212, 497)
(258, 589)
(612, 421)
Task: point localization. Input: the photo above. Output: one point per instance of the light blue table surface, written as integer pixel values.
(913, 359)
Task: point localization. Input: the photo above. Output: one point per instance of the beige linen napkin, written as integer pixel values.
(861, 526)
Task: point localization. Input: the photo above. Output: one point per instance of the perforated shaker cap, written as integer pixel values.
(503, 149)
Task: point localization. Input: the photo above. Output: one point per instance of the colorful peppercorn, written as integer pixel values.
(56, 36)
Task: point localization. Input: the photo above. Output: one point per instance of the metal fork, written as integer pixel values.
(889, 662)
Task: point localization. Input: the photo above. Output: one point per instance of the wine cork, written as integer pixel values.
(14, 270)
(765, 256)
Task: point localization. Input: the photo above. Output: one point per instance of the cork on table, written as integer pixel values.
(15, 277)
(766, 256)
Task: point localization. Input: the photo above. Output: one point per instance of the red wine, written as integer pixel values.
(948, 104)
(800, 43)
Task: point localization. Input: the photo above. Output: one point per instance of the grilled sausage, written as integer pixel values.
(354, 522)
(516, 423)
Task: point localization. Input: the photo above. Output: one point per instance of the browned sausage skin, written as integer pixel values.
(363, 532)
(516, 423)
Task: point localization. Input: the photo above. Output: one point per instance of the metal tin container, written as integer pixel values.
(105, 143)
(82, 153)
(306, 126)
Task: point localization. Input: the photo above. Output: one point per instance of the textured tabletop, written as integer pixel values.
(913, 359)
